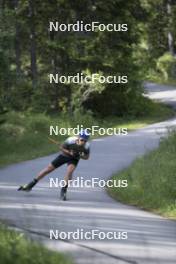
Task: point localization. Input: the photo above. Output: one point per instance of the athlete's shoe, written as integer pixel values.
(63, 194)
(28, 187)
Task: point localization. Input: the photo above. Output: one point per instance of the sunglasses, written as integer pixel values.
(82, 140)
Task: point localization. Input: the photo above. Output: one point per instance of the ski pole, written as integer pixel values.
(53, 141)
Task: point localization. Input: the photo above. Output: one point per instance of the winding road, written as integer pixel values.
(151, 238)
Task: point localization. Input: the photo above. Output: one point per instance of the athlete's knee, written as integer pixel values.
(71, 168)
(50, 168)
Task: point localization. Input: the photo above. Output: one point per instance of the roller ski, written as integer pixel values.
(28, 187)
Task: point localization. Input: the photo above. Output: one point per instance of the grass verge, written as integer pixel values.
(25, 135)
(151, 180)
(15, 248)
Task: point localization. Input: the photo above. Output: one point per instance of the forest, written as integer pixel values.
(30, 51)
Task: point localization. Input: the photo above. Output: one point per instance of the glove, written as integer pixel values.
(81, 154)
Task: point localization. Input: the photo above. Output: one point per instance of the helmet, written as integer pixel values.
(83, 134)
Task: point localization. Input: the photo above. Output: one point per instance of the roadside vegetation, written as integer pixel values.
(29, 53)
(16, 248)
(163, 70)
(25, 135)
(151, 180)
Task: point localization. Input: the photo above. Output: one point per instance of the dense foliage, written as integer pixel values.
(29, 52)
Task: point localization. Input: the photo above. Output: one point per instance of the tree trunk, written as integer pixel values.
(170, 24)
(54, 70)
(33, 43)
(17, 43)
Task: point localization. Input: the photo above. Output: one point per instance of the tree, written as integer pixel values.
(17, 40)
(36, 52)
(32, 17)
(170, 4)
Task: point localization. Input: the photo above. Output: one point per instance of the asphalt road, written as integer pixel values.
(151, 238)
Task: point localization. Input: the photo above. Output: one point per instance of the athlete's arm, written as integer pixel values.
(84, 156)
(86, 153)
(66, 151)
(65, 148)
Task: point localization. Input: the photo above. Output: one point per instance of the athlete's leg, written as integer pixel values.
(57, 162)
(68, 176)
(69, 172)
(41, 174)
(45, 171)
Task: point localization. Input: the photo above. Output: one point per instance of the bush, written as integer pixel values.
(15, 248)
(19, 97)
(166, 65)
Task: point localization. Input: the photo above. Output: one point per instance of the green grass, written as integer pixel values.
(151, 180)
(25, 135)
(16, 249)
